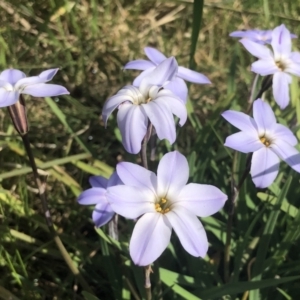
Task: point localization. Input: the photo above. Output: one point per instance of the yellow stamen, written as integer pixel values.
(265, 141)
(162, 206)
(281, 65)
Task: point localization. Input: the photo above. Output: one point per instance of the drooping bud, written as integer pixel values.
(18, 115)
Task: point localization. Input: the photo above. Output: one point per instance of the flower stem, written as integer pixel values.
(113, 228)
(231, 209)
(148, 271)
(41, 190)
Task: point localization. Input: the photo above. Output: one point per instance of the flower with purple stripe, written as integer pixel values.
(268, 140)
(281, 62)
(97, 195)
(177, 84)
(161, 203)
(14, 82)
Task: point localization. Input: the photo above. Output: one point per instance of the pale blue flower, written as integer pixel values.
(14, 82)
(177, 84)
(267, 139)
(281, 62)
(150, 101)
(162, 203)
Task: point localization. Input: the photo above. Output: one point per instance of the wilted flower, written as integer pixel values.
(103, 212)
(14, 82)
(177, 85)
(149, 101)
(164, 202)
(281, 62)
(267, 139)
(256, 35)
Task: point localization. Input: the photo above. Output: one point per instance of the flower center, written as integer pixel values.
(265, 141)
(281, 65)
(162, 206)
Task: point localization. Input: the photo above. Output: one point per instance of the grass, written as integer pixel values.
(91, 41)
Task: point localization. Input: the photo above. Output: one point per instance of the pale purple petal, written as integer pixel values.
(281, 42)
(281, 83)
(178, 87)
(172, 174)
(192, 76)
(264, 167)
(189, 230)
(137, 176)
(263, 116)
(293, 68)
(114, 179)
(48, 74)
(11, 76)
(264, 67)
(8, 98)
(98, 181)
(150, 237)
(139, 78)
(113, 102)
(163, 73)
(287, 153)
(162, 119)
(131, 202)
(93, 195)
(243, 142)
(176, 106)
(285, 134)
(132, 122)
(240, 120)
(102, 214)
(250, 34)
(139, 64)
(295, 57)
(154, 55)
(201, 199)
(44, 90)
(256, 49)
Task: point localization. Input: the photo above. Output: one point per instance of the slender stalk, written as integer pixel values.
(113, 228)
(231, 208)
(148, 271)
(41, 190)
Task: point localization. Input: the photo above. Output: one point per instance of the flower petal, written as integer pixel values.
(150, 237)
(263, 116)
(176, 106)
(139, 64)
(45, 90)
(102, 214)
(163, 73)
(8, 98)
(285, 134)
(293, 68)
(131, 202)
(189, 230)
(172, 174)
(287, 153)
(264, 167)
(281, 42)
(114, 179)
(11, 76)
(201, 199)
(264, 67)
(178, 87)
(154, 55)
(98, 181)
(137, 176)
(243, 142)
(132, 122)
(256, 49)
(93, 195)
(192, 76)
(113, 102)
(162, 119)
(139, 78)
(281, 83)
(240, 120)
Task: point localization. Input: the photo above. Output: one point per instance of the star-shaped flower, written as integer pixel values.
(164, 202)
(150, 101)
(103, 212)
(14, 82)
(281, 62)
(267, 139)
(177, 85)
